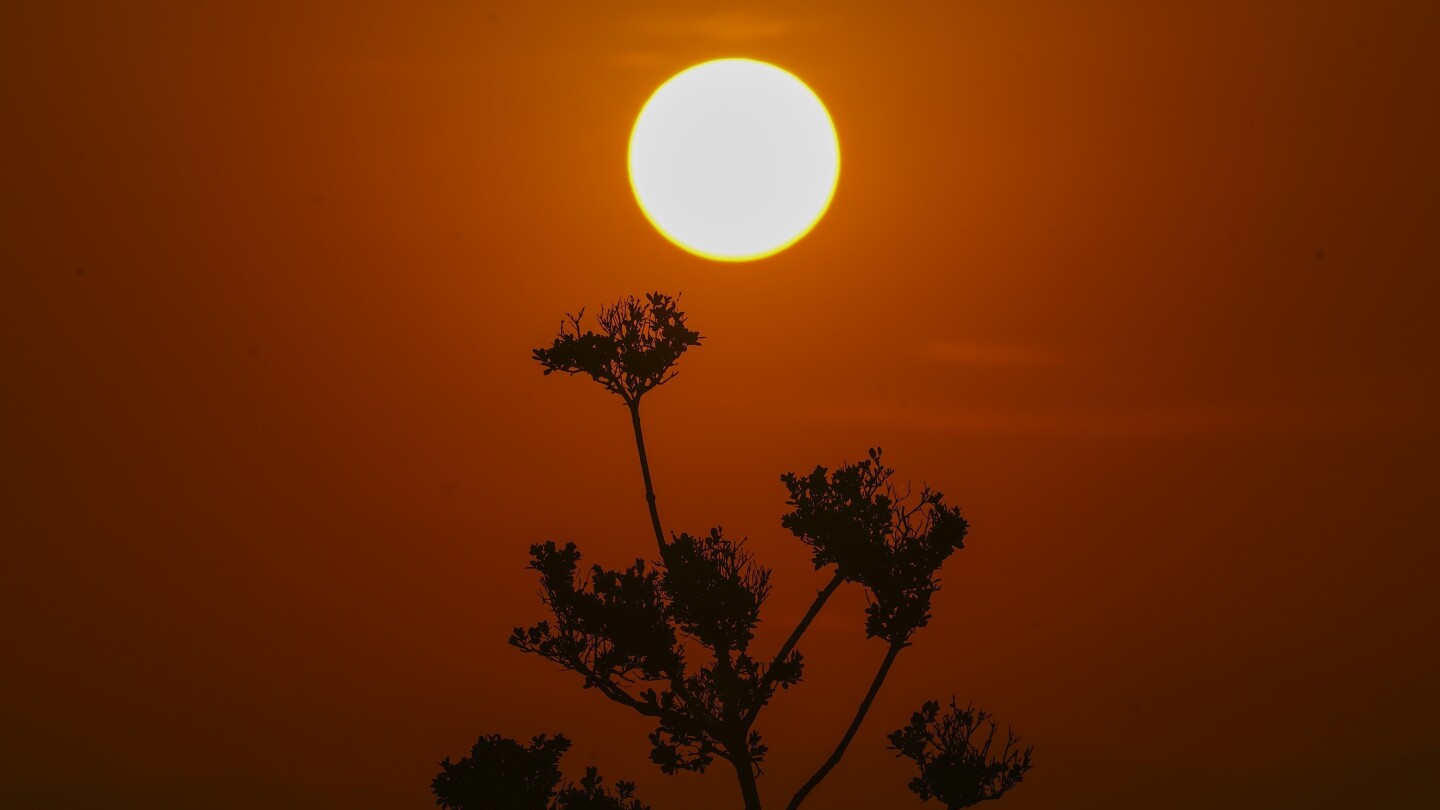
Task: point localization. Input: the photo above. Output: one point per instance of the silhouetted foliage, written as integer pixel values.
(616, 628)
(890, 543)
(635, 350)
(670, 638)
(611, 626)
(501, 774)
(953, 752)
(591, 795)
(714, 589)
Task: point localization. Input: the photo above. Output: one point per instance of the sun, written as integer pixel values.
(734, 159)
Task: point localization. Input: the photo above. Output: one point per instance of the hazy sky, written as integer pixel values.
(1148, 289)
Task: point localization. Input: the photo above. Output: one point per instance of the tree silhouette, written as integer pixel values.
(953, 768)
(670, 639)
(500, 774)
(636, 350)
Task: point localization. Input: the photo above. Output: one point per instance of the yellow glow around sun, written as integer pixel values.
(734, 159)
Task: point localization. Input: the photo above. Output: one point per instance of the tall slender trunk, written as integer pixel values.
(634, 406)
(745, 775)
(850, 732)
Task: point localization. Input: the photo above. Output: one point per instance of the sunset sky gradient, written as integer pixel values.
(1149, 289)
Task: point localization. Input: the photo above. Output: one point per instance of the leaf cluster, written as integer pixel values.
(889, 542)
(636, 349)
(954, 754)
(613, 624)
(501, 774)
(618, 628)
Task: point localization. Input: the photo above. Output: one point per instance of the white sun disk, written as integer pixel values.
(734, 159)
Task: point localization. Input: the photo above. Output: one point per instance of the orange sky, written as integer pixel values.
(1148, 289)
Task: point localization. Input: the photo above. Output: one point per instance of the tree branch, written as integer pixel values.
(789, 646)
(839, 751)
(745, 775)
(611, 690)
(634, 406)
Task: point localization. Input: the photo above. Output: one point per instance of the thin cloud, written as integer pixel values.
(1134, 422)
(659, 39)
(725, 27)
